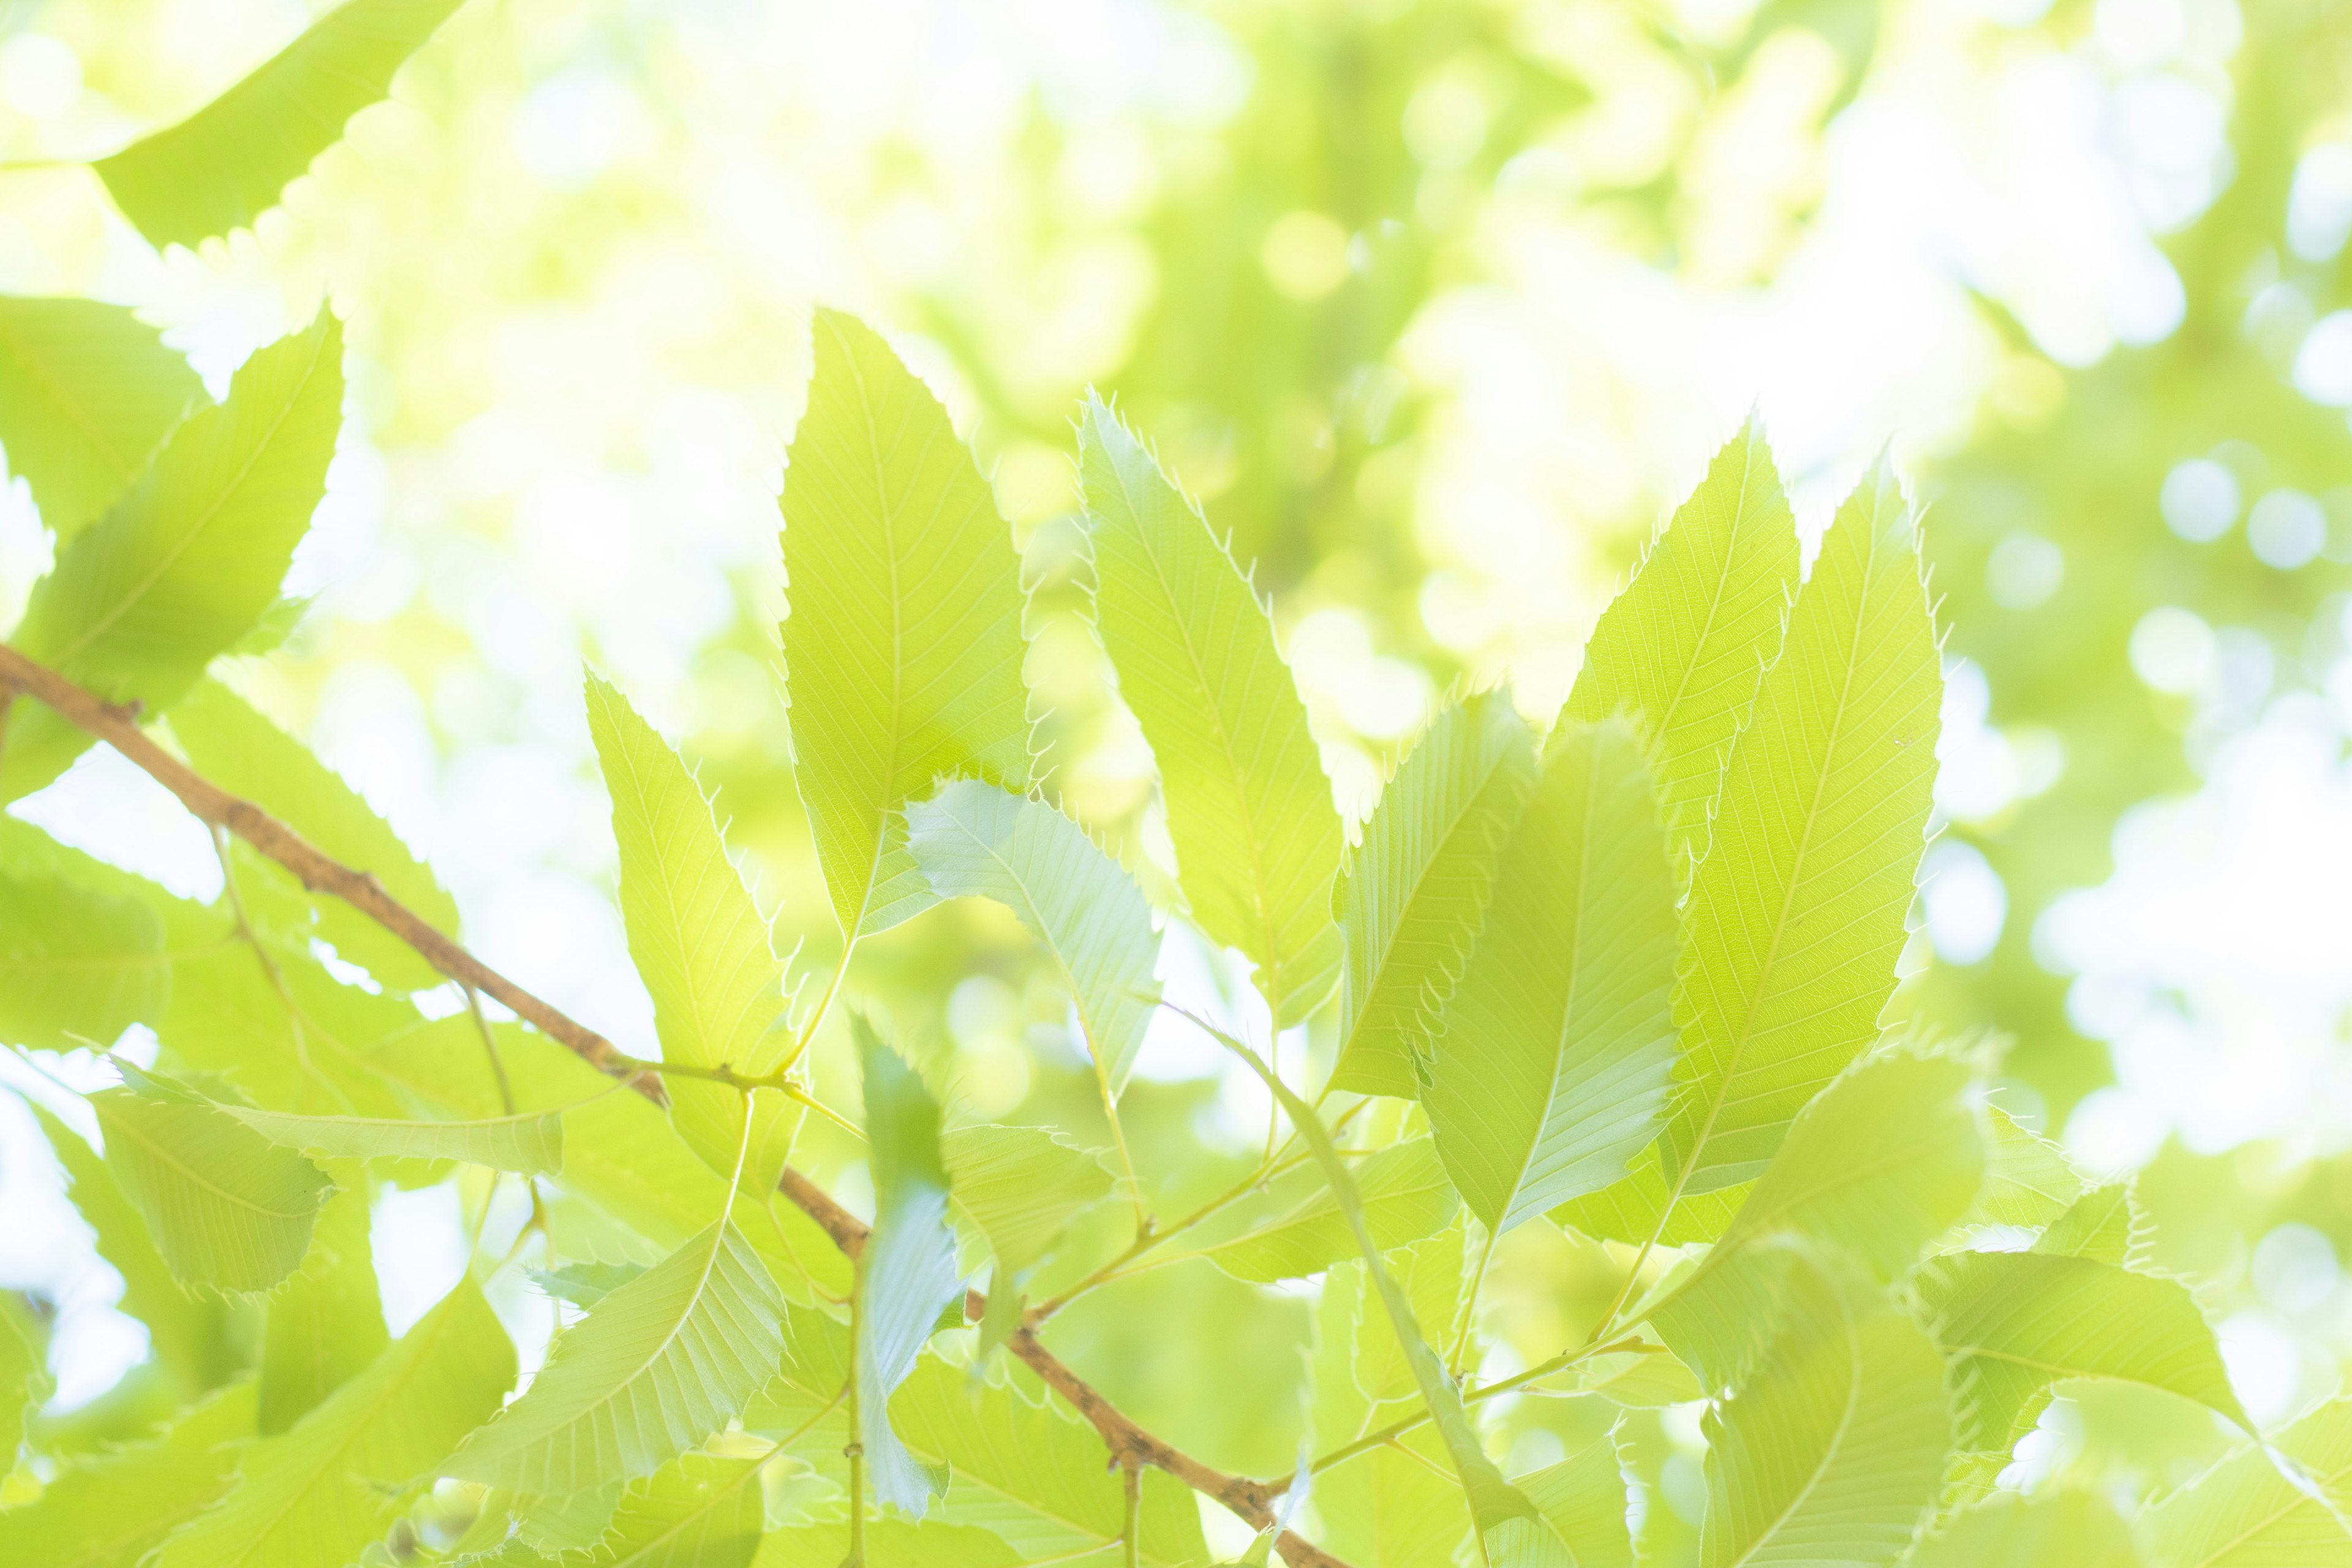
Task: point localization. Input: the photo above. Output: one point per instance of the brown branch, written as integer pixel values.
(117, 726)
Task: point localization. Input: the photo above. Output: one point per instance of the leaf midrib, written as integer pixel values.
(1831, 1449)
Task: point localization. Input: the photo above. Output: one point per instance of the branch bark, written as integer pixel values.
(117, 726)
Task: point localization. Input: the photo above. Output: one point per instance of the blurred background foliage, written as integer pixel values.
(1438, 307)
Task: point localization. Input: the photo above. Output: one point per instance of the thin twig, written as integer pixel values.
(118, 727)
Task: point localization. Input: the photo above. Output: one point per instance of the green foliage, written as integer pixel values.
(2285, 1506)
(904, 649)
(87, 391)
(225, 165)
(1257, 840)
(531, 1143)
(325, 1325)
(76, 963)
(113, 1511)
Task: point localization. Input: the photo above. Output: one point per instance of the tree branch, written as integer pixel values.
(117, 726)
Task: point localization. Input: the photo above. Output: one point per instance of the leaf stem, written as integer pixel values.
(1469, 1323)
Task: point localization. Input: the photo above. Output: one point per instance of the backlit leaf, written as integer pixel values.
(2054, 1529)
(76, 963)
(531, 1143)
(2245, 1512)
(110, 1510)
(1021, 1185)
(87, 393)
(904, 643)
(1257, 840)
(1406, 1196)
(326, 1324)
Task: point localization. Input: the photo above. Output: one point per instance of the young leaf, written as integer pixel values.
(1022, 1187)
(1583, 1499)
(906, 1273)
(87, 391)
(659, 1365)
(972, 838)
(1557, 1052)
(697, 1511)
(327, 1324)
(1643, 1204)
(226, 165)
(2248, 1511)
(1257, 840)
(2015, 1322)
(322, 1491)
(1032, 1474)
(2100, 1225)
(1796, 915)
(1413, 898)
(904, 642)
(76, 962)
(1686, 644)
(187, 559)
(585, 1284)
(2029, 1181)
(1832, 1453)
(112, 1510)
(1389, 1505)
(531, 1143)
(2052, 1529)
(699, 943)
(228, 1207)
(1404, 1195)
(234, 747)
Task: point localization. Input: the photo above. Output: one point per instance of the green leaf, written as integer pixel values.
(1431, 1272)
(1257, 840)
(22, 1373)
(1796, 915)
(1032, 1474)
(1686, 644)
(226, 165)
(1832, 1453)
(327, 1324)
(190, 557)
(972, 838)
(2052, 1529)
(700, 946)
(2029, 1181)
(1638, 1207)
(1022, 1187)
(904, 643)
(907, 1275)
(87, 393)
(901, 1543)
(243, 752)
(75, 964)
(2248, 1512)
(585, 1284)
(531, 1143)
(2015, 1322)
(1413, 898)
(2102, 1225)
(228, 1207)
(655, 1368)
(1584, 1500)
(700, 1511)
(192, 1336)
(1557, 1053)
(325, 1489)
(1404, 1195)
(111, 1510)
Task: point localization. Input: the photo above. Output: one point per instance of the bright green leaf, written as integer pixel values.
(326, 1324)
(1584, 1500)
(87, 393)
(1557, 1048)
(904, 643)
(226, 165)
(531, 1143)
(1022, 1187)
(76, 963)
(700, 1511)
(2245, 1512)
(1406, 1196)
(1413, 898)
(1257, 840)
(2102, 1225)
(110, 1510)
(2053, 1529)
(900, 1543)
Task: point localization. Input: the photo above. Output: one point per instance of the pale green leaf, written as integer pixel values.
(21, 1377)
(190, 557)
(228, 1207)
(1832, 1453)
(907, 1275)
(1413, 897)
(2104, 1224)
(1386, 1506)
(2029, 1181)
(112, 1510)
(1031, 1473)
(1404, 1195)
(2053, 1529)
(76, 963)
(87, 393)
(1636, 1209)
(655, 1368)
(531, 1143)
(1022, 1187)
(585, 1284)
(1557, 1048)
(1685, 646)
(326, 1324)
(699, 943)
(243, 752)
(1431, 1274)
(898, 1542)
(1582, 1497)
(1796, 915)
(2015, 1322)
(226, 165)
(974, 838)
(1257, 840)
(904, 643)
(320, 1493)
(2248, 1512)
(701, 1510)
